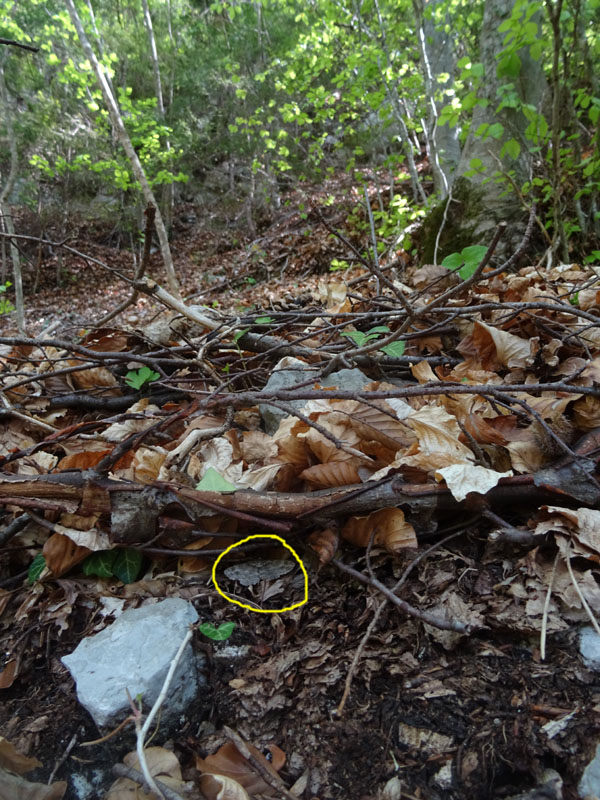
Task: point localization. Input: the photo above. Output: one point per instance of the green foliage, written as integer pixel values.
(394, 349)
(136, 378)
(213, 482)
(360, 339)
(5, 305)
(217, 634)
(37, 566)
(465, 262)
(122, 563)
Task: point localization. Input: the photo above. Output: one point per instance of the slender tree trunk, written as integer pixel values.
(167, 192)
(437, 58)
(5, 215)
(123, 137)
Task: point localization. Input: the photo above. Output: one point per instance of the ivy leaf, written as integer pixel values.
(219, 634)
(136, 378)
(127, 564)
(100, 563)
(395, 349)
(213, 482)
(37, 566)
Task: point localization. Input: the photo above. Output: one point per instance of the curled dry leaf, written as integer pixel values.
(258, 447)
(336, 473)
(219, 787)
(229, 762)
(61, 554)
(324, 543)
(498, 348)
(392, 531)
(326, 450)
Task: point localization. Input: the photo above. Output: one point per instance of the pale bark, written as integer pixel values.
(437, 58)
(531, 89)
(5, 215)
(168, 187)
(123, 137)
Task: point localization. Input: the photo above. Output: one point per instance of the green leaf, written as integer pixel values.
(136, 378)
(358, 337)
(219, 634)
(509, 66)
(213, 482)
(264, 320)
(100, 563)
(453, 261)
(511, 148)
(37, 566)
(238, 334)
(379, 329)
(395, 349)
(127, 564)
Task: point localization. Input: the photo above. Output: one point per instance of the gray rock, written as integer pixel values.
(589, 785)
(289, 372)
(135, 653)
(589, 647)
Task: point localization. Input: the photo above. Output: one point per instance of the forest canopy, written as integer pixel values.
(486, 107)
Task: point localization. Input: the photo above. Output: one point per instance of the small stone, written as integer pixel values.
(589, 647)
(135, 653)
(289, 372)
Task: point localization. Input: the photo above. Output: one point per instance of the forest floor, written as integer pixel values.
(430, 713)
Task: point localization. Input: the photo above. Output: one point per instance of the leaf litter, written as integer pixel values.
(447, 512)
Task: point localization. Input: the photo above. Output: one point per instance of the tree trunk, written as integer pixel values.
(5, 215)
(437, 58)
(480, 197)
(121, 132)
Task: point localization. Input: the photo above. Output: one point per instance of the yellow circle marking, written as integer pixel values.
(251, 608)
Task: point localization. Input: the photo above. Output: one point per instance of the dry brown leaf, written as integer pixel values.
(389, 527)
(61, 554)
(324, 543)
(326, 450)
(258, 447)
(497, 348)
(219, 787)
(464, 478)
(228, 761)
(14, 787)
(9, 673)
(291, 449)
(95, 378)
(259, 478)
(163, 766)
(193, 563)
(586, 412)
(336, 473)
(13, 761)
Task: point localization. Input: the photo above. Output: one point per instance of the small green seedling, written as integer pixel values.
(337, 265)
(219, 634)
(466, 262)
(360, 339)
(136, 378)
